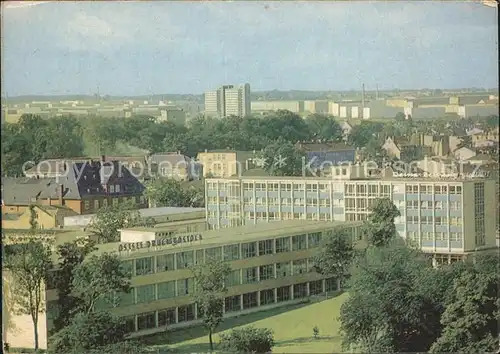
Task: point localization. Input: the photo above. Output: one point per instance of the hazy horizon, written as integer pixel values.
(146, 48)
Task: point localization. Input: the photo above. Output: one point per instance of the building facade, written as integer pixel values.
(271, 266)
(448, 216)
(228, 100)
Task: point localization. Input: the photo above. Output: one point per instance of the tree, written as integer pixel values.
(97, 332)
(98, 277)
(247, 340)
(110, 219)
(210, 290)
(335, 256)
(388, 309)
(324, 127)
(380, 227)
(282, 158)
(29, 268)
(33, 223)
(471, 318)
(362, 133)
(70, 256)
(168, 192)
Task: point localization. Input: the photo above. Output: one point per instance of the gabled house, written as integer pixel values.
(81, 186)
(174, 165)
(464, 153)
(403, 149)
(44, 216)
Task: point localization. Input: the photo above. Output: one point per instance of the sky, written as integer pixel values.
(143, 48)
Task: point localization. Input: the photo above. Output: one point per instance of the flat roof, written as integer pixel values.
(372, 179)
(149, 212)
(239, 234)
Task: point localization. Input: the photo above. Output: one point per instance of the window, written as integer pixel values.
(144, 266)
(96, 204)
(412, 219)
(456, 236)
(128, 267)
(146, 321)
(283, 244)
(427, 236)
(426, 204)
(185, 286)
(165, 262)
(455, 206)
(214, 253)
(166, 290)
(299, 266)
(286, 187)
(166, 317)
(456, 221)
(299, 291)
(266, 297)
(299, 242)
(266, 272)
(441, 220)
(186, 313)
(249, 250)
(372, 190)
(412, 204)
(117, 188)
(129, 324)
(232, 303)
(199, 256)
(250, 300)
(438, 205)
(233, 278)
(145, 294)
(232, 252)
(411, 189)
(425, 189)
(441, 236)
(185, 259)
(250, 275)
(283, 294)
(299, 201)
(331, 284)
(361, 189)
(426, 220)
(283, 269)
(314, 239)
(315, 287)
(265, 247)
(298, 187)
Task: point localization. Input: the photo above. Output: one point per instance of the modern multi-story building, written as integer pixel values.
(228, 100)
(226, 163)
(441, 215)
(271, 266)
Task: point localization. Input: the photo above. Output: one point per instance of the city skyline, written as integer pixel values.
(73, 48)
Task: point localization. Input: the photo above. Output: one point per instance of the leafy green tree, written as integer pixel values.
(168, 192)
(210, 290)
(471, 318)
(110, 219)
(29, 267)
(98, 276)
(97, 332)
(247, 339)
(324, 127)
(70, 256)
(388, 310)
(362, 133)
(380, 228)
(282, 158)
(334, 256)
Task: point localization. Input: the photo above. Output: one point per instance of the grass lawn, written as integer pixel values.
(293, 329)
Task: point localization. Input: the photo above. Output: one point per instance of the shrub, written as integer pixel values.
(316, 332)
(247, 340)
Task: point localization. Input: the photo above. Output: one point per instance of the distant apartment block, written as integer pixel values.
(228, 100)
(444, 216)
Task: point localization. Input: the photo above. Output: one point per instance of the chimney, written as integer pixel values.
(61, 194)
